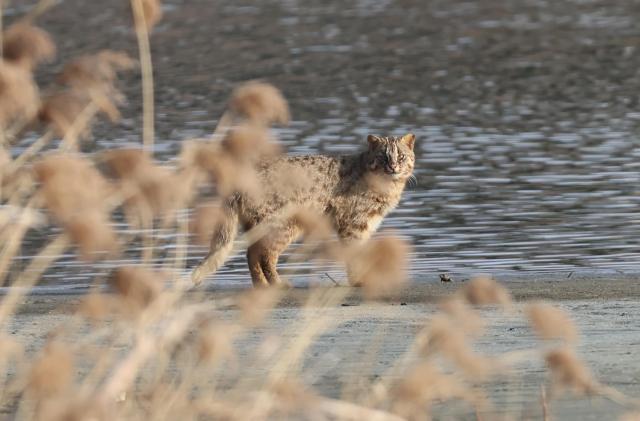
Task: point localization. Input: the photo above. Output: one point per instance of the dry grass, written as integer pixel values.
(569, 372)
(379, 266)
(19, 96)
(141, 349)
(259, 102)
(26, 45)
(551, 323)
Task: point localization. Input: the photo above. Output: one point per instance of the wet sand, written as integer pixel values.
(531, 287)
(604, 308)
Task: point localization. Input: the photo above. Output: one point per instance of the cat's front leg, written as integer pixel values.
(352, 241)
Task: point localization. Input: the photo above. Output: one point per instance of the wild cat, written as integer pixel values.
(354, 191)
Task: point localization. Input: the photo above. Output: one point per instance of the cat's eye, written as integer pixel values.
(401, 158)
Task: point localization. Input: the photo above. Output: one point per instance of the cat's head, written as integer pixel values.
(391, 156)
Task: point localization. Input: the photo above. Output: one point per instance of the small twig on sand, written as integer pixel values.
(569, 275)
(332, 280)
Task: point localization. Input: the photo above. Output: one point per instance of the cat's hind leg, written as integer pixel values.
(255, 255)
(276, 243)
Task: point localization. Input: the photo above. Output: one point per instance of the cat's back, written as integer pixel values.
(297, 171)
(302, 180)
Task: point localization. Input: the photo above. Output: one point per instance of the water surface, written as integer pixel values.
(526, 113)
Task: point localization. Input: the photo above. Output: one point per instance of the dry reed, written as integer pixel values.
(60, 112)
(95, 71)
(143, 349)
(446, 338)
(485, 291)
(146, 14)
(259, 102)
(206, 220)
(137, 287)
(569, 372)
(551, 323)
(19, 96)
(26, 45)
(425, 385)
(150, 190)
(379, 266)
(76, 195)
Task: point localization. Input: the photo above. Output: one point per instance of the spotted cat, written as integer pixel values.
(354, 191)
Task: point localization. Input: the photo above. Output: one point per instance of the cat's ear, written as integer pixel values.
(409, 140)
(374, 140)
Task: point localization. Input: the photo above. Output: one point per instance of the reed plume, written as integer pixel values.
(26, 45)
(249, 143)
(19, 95)
(423, 386)
(260, 103)
(207, 218)
(446, 338)
(215, 342)
(93, 235)
(62, 113)
(483, 290)
(76, 194)
(315, 226)
(89, 88)
(95, 71)
(256, 303)
(95, 307)
(52, 371)
(73, 408)
(379, 266)
(293, 397)
(465, 317)
(152, 10)
(71, 186)
(569, 372)
(150, 191)
(136, 287)
(227, 174)
(550, 322)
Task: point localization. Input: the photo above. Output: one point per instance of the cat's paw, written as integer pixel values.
(282, 285)
(196, 277)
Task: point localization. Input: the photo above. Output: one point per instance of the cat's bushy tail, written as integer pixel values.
(221, 246)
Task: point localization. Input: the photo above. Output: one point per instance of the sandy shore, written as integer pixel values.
(604, 308)
(566, 286)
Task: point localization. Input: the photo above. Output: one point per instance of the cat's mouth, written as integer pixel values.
(390, 171)
(393, 174)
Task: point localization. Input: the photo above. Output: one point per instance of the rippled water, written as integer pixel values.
(526, 114)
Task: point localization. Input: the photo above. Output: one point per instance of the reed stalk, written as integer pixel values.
(146, 68)
(31, 274)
